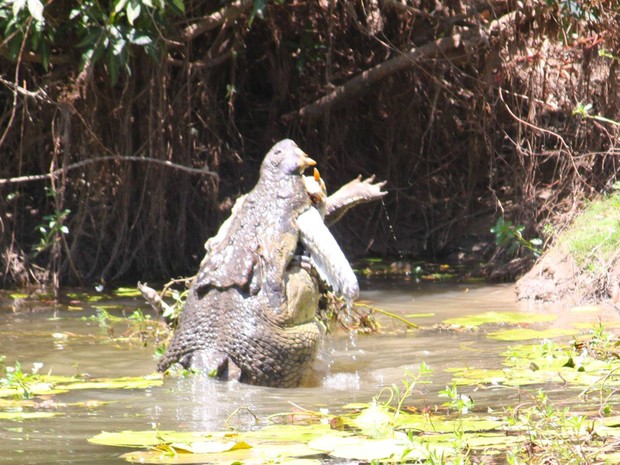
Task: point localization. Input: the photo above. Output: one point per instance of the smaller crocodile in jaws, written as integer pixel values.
(250, 313)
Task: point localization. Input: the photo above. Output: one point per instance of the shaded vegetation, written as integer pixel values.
(128, 127)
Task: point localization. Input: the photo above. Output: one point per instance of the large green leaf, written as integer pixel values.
(526, 334)
(512, 318)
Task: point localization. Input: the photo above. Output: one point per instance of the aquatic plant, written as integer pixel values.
(139, 326)
(14, 378)
(386, 430)
(22, 385)
(461, 403)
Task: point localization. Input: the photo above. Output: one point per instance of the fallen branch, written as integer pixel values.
(390, 314)
(361, 83)
(227, 13)
(200, 64)
(154, 299)
(80, 164)
(37, 95)
(358, 85)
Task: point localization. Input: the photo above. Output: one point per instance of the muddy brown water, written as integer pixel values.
(354, 369)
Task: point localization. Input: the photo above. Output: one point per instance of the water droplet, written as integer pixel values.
(401, 255)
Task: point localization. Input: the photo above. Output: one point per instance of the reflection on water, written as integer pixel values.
(352, 370)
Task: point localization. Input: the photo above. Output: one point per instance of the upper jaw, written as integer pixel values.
(304, 160)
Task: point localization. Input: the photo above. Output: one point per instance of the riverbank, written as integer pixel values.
(584, 263)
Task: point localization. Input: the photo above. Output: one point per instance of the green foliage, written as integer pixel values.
(461, 403)
(594, 237)
(583, 110)
(24, 28)
(576, 9)
(498, 318)
(23, 385)
(409, 383)
(106, 32)
(572, 13)
(52, 229)
(140, 327)
(13, 377)
(607, 54)
(172, 312)
(567, 437)
(510, 236)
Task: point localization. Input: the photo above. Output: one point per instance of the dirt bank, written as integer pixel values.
(584, 263)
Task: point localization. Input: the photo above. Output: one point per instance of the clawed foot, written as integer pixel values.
(353, 193)
(368, 189)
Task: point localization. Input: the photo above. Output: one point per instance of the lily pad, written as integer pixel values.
(442, 424)
(259, 446)
(127, 292)
(18, 416)
(146, 438)
(286, 455)
(210, 447)
(109, 307)
(266, 446)
(18, 295)
(525, 334)
(115, 383)
(512, 318)
(543, 363)
(53, 384)
(364, 448)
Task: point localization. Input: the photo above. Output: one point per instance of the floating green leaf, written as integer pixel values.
(259, 446)
(442, 424)
(210, 447)
(525, 334)
(115, 383)
(51, 384)
(541, 364)
(18, 295)
(285, 455)
(149, 438)
(362, 447)
(375, 421)
(512, 318)
(127, 292)
(19, 416)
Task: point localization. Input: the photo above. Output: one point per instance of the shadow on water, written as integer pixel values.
(66, 342)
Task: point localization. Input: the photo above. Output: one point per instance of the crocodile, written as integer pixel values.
(251, 311)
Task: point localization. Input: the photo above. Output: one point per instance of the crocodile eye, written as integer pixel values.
(315, 198)
(277, 159)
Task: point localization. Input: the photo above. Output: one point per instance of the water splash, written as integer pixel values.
(401, 255)
(348, 323)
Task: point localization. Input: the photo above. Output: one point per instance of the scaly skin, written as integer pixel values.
(238, 315)
(250, 314)
(270, 348)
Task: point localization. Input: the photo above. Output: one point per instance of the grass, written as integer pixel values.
(594, 238)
